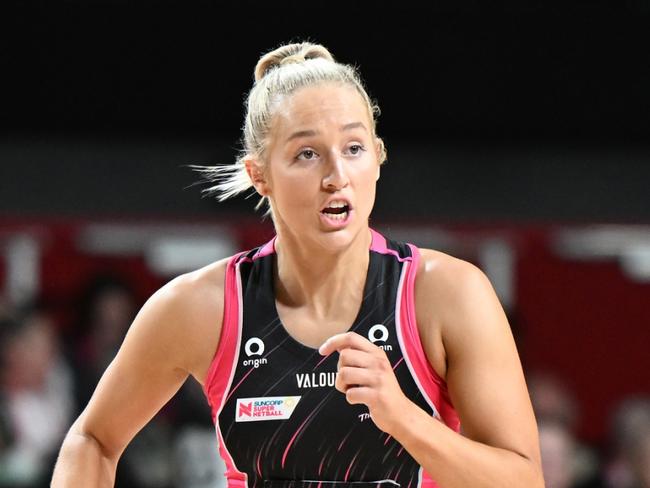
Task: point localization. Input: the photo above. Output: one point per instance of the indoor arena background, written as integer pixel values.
(517, 139)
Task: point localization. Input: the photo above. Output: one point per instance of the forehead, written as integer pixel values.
(317, 106)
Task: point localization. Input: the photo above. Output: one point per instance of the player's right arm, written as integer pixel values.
(174, 335)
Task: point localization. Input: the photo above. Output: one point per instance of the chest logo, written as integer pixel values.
(254, 347)
(265, 408)
(379, 333)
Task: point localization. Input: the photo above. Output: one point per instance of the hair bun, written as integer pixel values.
(289, 54)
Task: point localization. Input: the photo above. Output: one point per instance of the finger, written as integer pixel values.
(350, 340)
(351, 377)
(360, 395)
(356, 358)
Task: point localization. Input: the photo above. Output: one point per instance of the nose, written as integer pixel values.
(336, 177)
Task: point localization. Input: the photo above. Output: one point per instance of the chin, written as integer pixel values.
(324, 237)
(338, 240)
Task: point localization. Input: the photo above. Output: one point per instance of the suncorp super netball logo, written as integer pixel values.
(265, 408)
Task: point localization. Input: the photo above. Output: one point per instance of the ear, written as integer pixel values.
(255, 172)
(379, 151)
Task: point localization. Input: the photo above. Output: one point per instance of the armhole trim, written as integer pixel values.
(412, 318)
(432, 386)
(224, 364)
(229, 326)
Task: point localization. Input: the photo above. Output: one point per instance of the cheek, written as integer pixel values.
(367, 187)
(293, 189)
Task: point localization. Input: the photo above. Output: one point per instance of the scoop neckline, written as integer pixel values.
(290, 340)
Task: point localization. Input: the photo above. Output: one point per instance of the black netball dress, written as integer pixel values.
(280, 422)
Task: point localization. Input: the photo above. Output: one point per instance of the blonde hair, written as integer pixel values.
(278, 74)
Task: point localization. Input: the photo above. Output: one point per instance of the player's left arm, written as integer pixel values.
(500, 445)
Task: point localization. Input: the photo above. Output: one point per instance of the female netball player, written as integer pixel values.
(331, 355)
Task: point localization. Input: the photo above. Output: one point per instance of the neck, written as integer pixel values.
(321, 282)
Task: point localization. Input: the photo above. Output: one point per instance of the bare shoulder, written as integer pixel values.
(195, 291)
(447, 289)
(187, 313)
(449, 281)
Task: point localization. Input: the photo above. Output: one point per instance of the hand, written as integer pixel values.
(366, 376)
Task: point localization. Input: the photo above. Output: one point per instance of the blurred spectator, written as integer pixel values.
(196, 460)
(552, 400)
(36, 403)
(196, 464)
(5, 310)
(107, 310)
(558, 454)
(630, 464)
(565, 460)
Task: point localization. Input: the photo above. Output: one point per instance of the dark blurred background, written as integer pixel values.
(517, 136)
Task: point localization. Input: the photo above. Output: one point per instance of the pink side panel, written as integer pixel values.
(427, 482)
(434, 386)
(223, 361)
(234, 483)
(223, 364)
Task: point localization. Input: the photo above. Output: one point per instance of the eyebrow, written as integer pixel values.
(309, 133)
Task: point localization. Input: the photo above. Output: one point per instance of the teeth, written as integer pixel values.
(341, 216)
(337, 204)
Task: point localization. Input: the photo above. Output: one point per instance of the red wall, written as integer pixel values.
(589, 324)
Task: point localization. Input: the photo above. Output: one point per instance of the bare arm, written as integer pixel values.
(174, 335)
(500, 446)
(460, 319)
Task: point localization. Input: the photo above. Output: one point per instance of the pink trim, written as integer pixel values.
(433, 388)
(224, 358)
(427, 482)
(266, 249)
(378, 244)
(410, 291)
(234, 483)
(222, 369)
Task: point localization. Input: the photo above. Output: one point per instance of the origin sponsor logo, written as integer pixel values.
(315, 380)
(254, 347)
(265, 408)
(379, 333)
(255, 363)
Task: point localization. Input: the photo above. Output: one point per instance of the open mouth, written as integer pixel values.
(337, 211)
